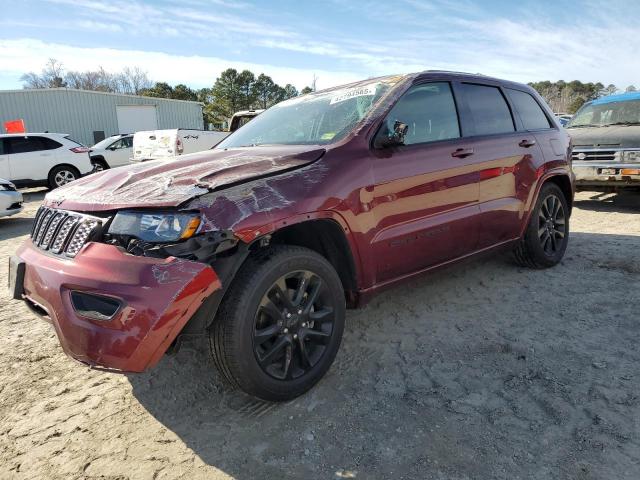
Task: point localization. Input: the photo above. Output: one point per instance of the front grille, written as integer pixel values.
(599, 155)
(62, 232)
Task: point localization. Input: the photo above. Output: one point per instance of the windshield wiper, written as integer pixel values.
(584, 125)
(621, 123)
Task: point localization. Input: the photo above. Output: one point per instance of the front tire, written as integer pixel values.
(547, 234)
(280, 325)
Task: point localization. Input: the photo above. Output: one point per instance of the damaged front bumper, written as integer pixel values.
(590, 173)
(111, 309)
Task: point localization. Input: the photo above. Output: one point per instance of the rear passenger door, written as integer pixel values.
(507, 156)
(32, 157)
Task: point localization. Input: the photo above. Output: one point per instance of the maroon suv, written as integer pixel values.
(318, 203)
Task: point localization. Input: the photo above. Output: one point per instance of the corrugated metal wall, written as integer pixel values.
(81, 112)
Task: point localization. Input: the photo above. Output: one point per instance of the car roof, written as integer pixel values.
(621, 97)
(28, 134)
(471, 77)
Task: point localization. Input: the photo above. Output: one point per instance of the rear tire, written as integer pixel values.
(61, 175)
(279, 326)
(547, 234)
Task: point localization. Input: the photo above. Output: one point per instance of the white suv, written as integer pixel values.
(113, 151)
(35, 159)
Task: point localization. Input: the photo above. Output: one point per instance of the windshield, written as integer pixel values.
(314, 119)
(610, 113)
(106, 142)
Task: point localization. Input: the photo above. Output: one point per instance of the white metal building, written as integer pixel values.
(91, 116)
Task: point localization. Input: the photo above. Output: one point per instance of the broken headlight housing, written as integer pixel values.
(155, 227)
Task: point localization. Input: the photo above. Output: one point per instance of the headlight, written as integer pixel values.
(631, 156)
(156, 227)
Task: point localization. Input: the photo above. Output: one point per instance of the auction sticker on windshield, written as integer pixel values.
(364, 91)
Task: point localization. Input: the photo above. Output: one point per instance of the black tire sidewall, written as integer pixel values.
(250, 376)
(532, 239)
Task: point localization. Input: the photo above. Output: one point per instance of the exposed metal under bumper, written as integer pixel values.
(607, 174)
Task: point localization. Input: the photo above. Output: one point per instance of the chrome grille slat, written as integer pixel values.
(602, 155)
(36, 221)
(46, 217)
(65, 230)
(61, 231)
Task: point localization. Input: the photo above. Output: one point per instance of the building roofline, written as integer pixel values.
(25, 90)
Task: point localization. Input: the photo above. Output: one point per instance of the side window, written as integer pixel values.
(118, 144)
(49, 144)
(428, 110)
(128, 142)
(24, 144)
(532, 116)
(2, 149)
(489, 110)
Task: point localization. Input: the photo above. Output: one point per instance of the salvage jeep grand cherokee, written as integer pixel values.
(315, 205)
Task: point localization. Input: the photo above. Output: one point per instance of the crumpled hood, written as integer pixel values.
(622, 136)
(170, 183)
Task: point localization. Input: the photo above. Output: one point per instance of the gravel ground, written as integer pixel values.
(482, 371)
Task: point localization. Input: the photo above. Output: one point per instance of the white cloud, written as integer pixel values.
(24, 55)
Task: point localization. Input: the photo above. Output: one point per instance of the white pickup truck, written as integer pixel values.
(168, 144)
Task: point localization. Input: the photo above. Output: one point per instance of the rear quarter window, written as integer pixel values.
(530, 112)
(488, 108)
(49, 144)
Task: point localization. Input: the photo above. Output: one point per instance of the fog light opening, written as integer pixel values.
(95, 307)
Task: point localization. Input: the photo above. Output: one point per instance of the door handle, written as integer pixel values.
(527, 143)
(462, 152)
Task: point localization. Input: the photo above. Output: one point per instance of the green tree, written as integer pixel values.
(246, 80)
(182, 92)
(290, 91)
(159, 90)
(575, 105)
(263, 90)
(306, 90)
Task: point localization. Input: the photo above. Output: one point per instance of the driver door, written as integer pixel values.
(121, 152)
(426, 191)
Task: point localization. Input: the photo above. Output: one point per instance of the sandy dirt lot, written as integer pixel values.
(482, 371)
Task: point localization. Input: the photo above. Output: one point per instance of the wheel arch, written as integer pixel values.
(326, 237)
(562, 180)
(101, 159)
(68, 165)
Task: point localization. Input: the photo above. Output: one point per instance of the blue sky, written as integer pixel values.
(191, 41)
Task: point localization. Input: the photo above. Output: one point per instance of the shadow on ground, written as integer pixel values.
(625, 201)
(485, 370)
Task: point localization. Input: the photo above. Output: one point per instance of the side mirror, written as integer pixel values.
(394, 138)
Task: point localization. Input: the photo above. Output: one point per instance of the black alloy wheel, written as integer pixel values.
(293, 325)
(551, 224)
